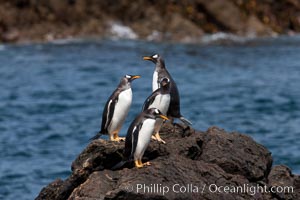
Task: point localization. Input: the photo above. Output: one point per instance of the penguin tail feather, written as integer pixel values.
(97, 136)
(185, 121)
(119, 165)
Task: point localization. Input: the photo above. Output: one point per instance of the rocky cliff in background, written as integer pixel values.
(197, 162)
(183, 21)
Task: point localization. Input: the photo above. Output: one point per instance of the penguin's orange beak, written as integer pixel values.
(147, 58)
(135, 77)
(164, 117)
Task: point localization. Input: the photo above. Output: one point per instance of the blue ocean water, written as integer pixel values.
(52, 97)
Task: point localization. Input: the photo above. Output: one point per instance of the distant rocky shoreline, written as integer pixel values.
(178, 21)
(191, 165)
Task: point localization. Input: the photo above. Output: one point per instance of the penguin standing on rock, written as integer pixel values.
(116, 109)
(159, 99)
(159, 73)
(138, 137)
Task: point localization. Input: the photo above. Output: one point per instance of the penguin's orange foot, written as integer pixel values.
(146, 164)
(161, 140)
(153, 137)
(138, 164)
(158, 138)
(121, 139)
(117, 139)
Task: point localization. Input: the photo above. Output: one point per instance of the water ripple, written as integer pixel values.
(52, 97)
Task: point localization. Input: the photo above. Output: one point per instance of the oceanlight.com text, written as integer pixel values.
(207, 188)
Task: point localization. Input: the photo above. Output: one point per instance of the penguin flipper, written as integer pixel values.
(149, 100)
(109, 111)
(185, 121)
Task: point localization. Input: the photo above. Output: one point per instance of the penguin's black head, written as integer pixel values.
(164, 81)
(156, 113)
(131, 77)
(154, 58)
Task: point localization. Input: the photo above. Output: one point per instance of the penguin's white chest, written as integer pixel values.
(144, 138)
(121, 110)
(155, 85)
(125, 98)
(161, 102)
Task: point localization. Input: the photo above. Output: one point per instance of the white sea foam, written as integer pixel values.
(66, 41)
(120, 31)
(221, 36)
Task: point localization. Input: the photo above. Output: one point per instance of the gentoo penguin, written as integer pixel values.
(159, 73)
(159, 99)
(138, 137)
(116, 109)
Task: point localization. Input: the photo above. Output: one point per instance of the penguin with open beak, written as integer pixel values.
(116, 109)
(159, 99)
(138, 137)
(159, 73)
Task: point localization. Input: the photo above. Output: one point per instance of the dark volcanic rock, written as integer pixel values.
(236, 154)
(288, 184)
(230, 18)
(189, 166)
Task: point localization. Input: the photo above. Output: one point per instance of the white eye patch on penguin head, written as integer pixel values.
(156, 111)
(155, 56)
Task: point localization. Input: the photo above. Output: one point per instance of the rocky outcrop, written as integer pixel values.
(191, 165)
(180, 21)
(233, 19)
